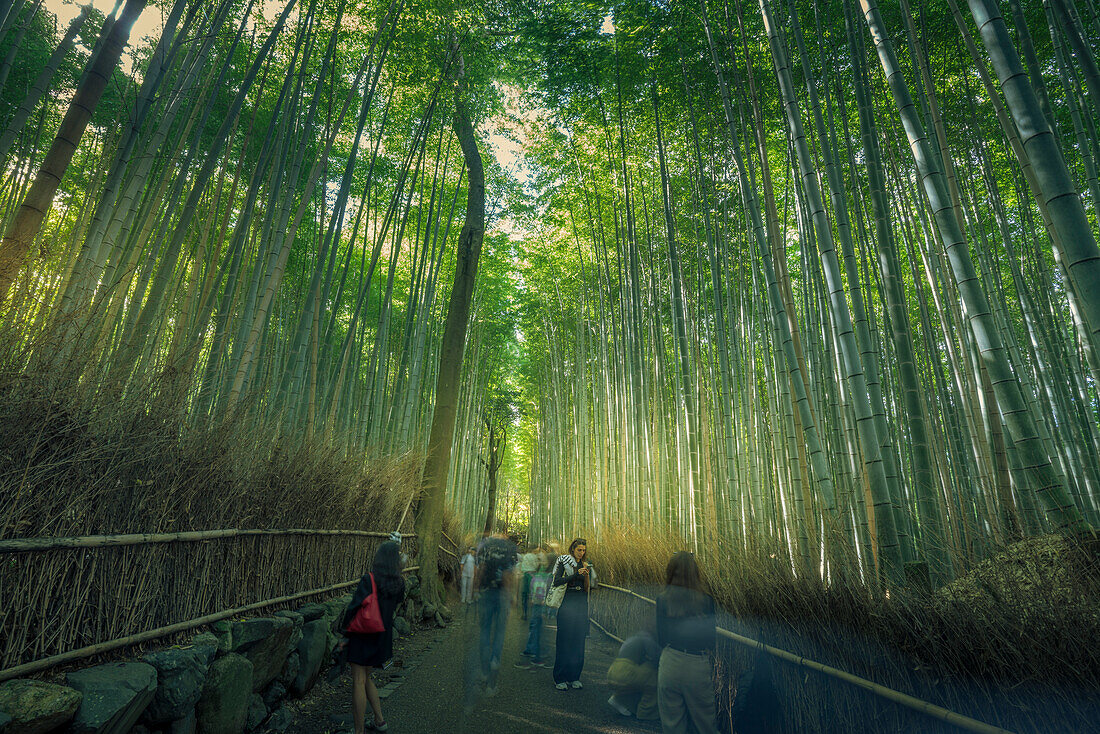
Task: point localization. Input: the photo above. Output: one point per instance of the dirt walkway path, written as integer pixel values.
(432, 690)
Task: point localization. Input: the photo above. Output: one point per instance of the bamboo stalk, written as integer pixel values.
(924, 707)
(29, 545)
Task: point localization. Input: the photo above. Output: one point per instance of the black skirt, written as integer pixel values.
(373, 649)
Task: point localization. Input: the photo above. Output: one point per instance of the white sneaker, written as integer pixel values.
(614, 703)
(577, 684)
(562, 686)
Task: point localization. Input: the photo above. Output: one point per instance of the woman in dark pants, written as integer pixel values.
(370, 651)
(573, 572)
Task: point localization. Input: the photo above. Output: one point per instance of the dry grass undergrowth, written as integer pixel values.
(79, 464)
(1014, 642)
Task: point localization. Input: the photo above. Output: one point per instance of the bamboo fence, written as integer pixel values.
(64, 598)
(924, 707)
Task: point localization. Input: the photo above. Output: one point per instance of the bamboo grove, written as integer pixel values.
(823, 283)
(808, 277)
(258, 223)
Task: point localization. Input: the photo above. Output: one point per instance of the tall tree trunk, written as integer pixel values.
(433, 483)
(498, 441)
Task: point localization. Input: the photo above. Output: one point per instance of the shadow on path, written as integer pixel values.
(432, 695)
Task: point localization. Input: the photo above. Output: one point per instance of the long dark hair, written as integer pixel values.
(684, 593)
(387, 569)
(575, 543)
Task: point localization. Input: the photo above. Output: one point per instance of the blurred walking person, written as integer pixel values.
(571, 571)
(536, 597)
(494, 579)
(687, 634)
(466, 583)
(528, 564)
(377, 597)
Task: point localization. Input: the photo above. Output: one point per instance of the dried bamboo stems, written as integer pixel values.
(924, 707)
(37, 666)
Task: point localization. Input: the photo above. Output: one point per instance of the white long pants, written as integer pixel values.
(467, 582)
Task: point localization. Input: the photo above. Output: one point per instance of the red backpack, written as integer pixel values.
(368, 617)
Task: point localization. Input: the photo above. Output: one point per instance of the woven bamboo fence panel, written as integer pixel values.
(62, 598)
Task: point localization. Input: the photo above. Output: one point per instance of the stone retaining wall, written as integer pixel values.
(231, 679)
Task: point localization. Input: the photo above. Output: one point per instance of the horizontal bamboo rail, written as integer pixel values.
(603, 629)
(30, 545)
(924, 707)
(37, 666)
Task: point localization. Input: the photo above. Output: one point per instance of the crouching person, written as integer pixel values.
(633, 677)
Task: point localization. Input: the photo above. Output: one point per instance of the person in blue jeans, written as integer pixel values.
(540, 584)
(494, 580)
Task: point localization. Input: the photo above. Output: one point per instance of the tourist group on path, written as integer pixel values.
(665, 672)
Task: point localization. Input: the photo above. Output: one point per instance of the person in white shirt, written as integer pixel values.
(467, 563)
(528, 564)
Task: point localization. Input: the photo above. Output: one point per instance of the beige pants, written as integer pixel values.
(635, 687)
(685, 693)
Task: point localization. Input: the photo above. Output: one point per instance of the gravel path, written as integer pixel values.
(431, 689)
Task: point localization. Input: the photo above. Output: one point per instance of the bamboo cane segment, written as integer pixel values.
(29, 545)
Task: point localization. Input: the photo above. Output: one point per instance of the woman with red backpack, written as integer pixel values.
(368, 628)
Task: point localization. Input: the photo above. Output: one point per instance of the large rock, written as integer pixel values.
(223, 633)
(265, 641)
(401, 626)
(332, 640)
(311, 612)
(257, 712)
(428, 612)
(207, 644)
(294, 617)
(311, 654)
(35, 707)
(223, 706)
(5, 722)
(180, 675)
(412, 610)
(115, 695)
(334, 611)
(290, 670)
